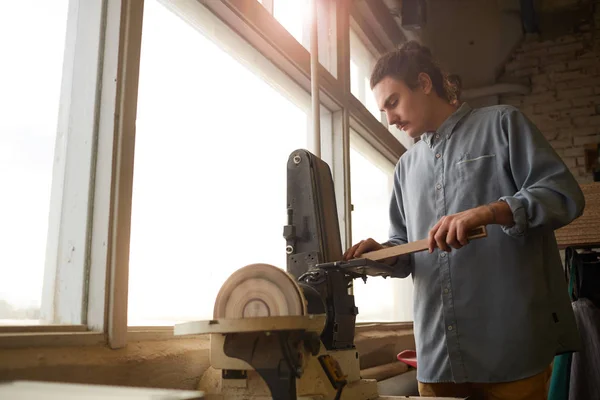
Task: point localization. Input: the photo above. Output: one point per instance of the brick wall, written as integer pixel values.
(564, 102)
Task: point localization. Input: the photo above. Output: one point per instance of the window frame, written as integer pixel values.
(99, 98)
(69, 228)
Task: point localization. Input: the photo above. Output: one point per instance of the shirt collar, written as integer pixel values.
(447, 127)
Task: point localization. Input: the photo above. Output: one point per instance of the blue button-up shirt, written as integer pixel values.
(496, 310)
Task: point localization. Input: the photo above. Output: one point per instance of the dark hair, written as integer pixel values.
(406, 63)
(454, 87)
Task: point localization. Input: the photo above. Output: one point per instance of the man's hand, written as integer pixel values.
(364, 246)
(452, 230)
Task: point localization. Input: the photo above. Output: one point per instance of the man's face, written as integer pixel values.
(404, 107)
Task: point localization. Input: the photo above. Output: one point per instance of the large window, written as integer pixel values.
(362, 61)
(32, 50)
(212, 144)
(135, 182)
(296, 16)
(378, 299)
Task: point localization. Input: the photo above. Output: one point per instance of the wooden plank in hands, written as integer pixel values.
(416, 246)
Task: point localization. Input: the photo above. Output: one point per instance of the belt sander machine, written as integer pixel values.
(285, 334)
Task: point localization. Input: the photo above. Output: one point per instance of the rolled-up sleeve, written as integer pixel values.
(549, 195)
(397, 231)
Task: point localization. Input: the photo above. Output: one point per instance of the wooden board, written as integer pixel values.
(384, 371)
(30, 390)
(416, 246)
(419, 398)
(585, 230)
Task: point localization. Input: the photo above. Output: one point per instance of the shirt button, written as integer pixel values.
(438, 155)
(443, 254)
(446, 290)
(438, 186)
(437, 136)
(449, 327)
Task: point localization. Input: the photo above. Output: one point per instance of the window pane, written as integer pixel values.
(209, 191)
(371, 187)
(370, 101)
(362, 62)
(355, 87)
(295, 16)
(32, 49)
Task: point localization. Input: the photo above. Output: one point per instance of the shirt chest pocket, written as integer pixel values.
(477, 171)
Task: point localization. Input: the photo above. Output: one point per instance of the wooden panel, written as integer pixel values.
(384, 371)
(585, 230)
(418, 398)
(27, 390)
(416, 246)
(375, 15)
(51, 339)
(42, 328)
(174, 364)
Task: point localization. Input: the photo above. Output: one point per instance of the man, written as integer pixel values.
(490, 315)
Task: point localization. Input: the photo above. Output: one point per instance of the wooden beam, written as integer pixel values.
(51, 339)
(268, 4)
(384, 371)
(129, 50)
(362, 28)
(42, 328)
(377, 17)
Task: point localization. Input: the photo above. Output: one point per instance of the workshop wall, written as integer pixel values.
(564, 73)
(171, 364)
(472, 38)
(176, 363)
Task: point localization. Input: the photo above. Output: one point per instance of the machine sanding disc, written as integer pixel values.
(259, 290)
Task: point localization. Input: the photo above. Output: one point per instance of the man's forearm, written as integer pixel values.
(500, 213)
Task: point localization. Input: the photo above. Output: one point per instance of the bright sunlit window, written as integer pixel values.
(378, 300)
(32, 50)
(209, 191)
(362, 62)
(294, 15)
